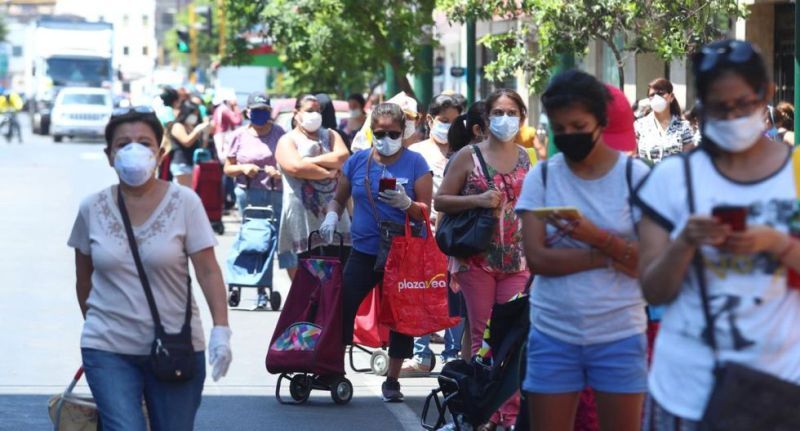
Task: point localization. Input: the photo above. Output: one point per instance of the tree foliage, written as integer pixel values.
(671, 29)
(3, 29)
(334, 45)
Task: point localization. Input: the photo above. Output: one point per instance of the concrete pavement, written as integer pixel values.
(42, 186)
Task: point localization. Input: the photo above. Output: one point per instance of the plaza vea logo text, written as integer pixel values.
(437, 282)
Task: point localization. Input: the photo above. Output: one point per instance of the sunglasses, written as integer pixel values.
(117, 112)
(735, 51)
(383, 133)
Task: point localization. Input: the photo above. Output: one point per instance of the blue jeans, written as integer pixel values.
(118, 383)
(452, 343)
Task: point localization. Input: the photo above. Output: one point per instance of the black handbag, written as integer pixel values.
(743, 398)
(171, 355)
(468, 233)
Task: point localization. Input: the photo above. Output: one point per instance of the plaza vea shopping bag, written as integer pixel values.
(415, 285)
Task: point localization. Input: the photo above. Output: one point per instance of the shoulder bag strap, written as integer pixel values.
(699, 268)
(629, 181)
(483, 167)
(544, 173)
(368, 187)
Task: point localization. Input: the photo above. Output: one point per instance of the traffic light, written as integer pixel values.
(207, 23)
(184, 41)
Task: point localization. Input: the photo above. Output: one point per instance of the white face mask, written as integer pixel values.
(737, 135)
(439, 131)
(135, 164)
(191, 120)
(387, 146)
(659, 104)
(311, 121)
(355, 113)
(411, 128)
(504, 127)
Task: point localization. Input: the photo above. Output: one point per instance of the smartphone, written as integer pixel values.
(566, 212)
(731, 215)
(387, 184)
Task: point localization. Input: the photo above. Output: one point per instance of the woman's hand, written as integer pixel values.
(580, 229)
(489, 199)
(756, 239)
(703, 230)
(272, 172)
(250, 170)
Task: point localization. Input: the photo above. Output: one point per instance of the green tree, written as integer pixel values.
(3, 29)
(335, 45)
(671, 29)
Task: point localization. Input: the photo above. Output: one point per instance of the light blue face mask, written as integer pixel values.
(504, 127)
(439, 131)
(772, 133)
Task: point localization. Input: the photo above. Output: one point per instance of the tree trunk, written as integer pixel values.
(620, 64)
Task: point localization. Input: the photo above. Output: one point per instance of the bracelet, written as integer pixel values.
(786, 250)
(628, 250)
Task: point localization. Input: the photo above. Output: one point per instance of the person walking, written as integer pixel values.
(501, 272)
(357, 119)
(662, 132)
(309, 158)
(170, 229)
(442, 113)
(186, 135)
(251, 161)
(587, 313)
(226, 119)
(728, 284)
(379, 213)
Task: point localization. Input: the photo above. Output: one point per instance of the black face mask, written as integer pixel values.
(575, 146)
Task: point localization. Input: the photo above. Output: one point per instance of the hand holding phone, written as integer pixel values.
(387, 184)
(731, 215)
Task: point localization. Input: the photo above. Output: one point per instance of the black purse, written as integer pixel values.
(743, 398)
(171, 355)
(468, 233)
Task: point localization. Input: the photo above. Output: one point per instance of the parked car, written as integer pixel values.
(283, 111)
(80, 111)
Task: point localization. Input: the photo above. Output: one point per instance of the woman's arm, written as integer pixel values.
(448, 199)
(551, 261)
(423, 189)
(233, 169)
(342, 196)
(178, 131)
(210, 278)
(336, 158)
(83, 274)
(292, 164)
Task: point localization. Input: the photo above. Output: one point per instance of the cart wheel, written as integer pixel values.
(379, 362)
(433, 362)
(300, 387)
(275, 301)
(342, 391)
(218, 227)
(234, 297)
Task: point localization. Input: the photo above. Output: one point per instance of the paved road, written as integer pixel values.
(41, 185)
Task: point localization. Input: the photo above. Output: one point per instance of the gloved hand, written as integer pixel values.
(396, 198)
(328, 227)
(219, 351)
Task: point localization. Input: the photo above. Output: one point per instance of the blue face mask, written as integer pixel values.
(772, 133)
(259, 117)
(504, 127)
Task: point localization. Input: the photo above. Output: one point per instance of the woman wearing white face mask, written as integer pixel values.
(662, 132)
(739, 258)
(374, 213)
(185, 135)
(170, 228)
(498, 274)
(309, 158)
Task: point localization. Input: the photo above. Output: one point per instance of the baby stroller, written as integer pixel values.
(252, 254)
(368, 334)
(306, 347)
(473, 391)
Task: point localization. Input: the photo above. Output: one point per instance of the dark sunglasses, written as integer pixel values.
(382, 134)
(117, 112)
(735, 51)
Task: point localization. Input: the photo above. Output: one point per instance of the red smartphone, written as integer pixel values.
(731, 215)
(387, 184)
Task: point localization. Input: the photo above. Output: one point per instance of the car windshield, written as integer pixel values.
(85, 99)
(90, 72)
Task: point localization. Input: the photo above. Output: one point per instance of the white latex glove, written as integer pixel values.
(219, 351)
(396, 198)
(328, 227)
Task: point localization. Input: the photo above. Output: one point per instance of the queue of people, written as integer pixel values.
(591, 233)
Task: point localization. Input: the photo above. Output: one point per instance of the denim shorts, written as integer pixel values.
(556, 367)
(180, 169)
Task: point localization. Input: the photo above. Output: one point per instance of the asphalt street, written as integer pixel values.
(41, 186)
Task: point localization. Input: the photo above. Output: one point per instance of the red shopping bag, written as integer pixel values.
(368, 331)
(415, 286)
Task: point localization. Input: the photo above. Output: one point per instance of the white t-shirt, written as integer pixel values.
(119, 319)
(600, 305)
(436, 161)
(758, 317)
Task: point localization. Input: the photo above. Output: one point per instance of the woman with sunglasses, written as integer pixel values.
(498, 274)
(739, 256)
(186, 135)
(171, 229)
(373, 208)
(662, 132)
(587, 312)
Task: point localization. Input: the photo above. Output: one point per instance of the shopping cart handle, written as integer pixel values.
(78, 374)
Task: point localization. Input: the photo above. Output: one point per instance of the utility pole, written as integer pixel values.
(471, 77)
(223, 37)
(192, 44)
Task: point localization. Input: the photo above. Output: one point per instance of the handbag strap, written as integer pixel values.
(482, 164)
(143, 276)
(697, 264)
